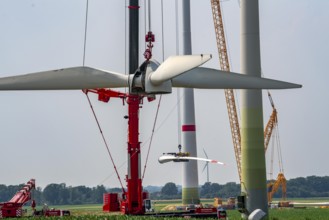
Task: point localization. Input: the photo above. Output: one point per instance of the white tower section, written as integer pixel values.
(190, 185)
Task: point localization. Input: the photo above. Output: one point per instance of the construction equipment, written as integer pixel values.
(273, 121)
(230, 203)
(229, 93)
(183, 157)
(230, 100)
(274, 186)
(14, 207)
(48, 212)
(148, 79)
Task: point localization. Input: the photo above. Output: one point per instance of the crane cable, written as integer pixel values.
(86, 92)
(85, 37)
(149, 37)
(105, 142)
(149, 14)
(158, 108)
(153, 130)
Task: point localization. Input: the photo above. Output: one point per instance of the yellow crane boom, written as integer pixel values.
(229, 93)
(274, 186)
(273, 121)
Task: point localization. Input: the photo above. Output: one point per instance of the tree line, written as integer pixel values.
(308, 187)
(60, 194)
(311, 186)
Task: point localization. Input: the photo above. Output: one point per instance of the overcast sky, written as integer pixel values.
(52, 136)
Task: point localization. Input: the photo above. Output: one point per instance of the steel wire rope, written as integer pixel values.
(83, 63)
(149, 14)
(145, 43)
(179, 136)
(85, 37)
(105, 142)
(152, 135)
(158, 108)
(147, 18)
(126, 63)
(162, 31)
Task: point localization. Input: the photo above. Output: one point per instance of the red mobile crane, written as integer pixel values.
(133, 195)
(13, 208)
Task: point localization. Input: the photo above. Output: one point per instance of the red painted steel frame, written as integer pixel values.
(13, 208)
(134, 182)
(132, 203)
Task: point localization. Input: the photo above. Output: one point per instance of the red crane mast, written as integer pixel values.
(133, 178)
(132, 201)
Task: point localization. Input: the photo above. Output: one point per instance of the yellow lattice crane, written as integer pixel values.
(273, 121)
(274, 186)
(271, 127)
(230, 99)
(229, 93)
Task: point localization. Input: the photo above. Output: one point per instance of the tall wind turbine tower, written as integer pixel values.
(253, 179)
(190, 183)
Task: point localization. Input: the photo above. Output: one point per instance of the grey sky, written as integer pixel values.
(52, 136)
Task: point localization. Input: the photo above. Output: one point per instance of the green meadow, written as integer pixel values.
(94, 211)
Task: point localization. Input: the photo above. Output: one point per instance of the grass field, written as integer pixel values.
(94, 211)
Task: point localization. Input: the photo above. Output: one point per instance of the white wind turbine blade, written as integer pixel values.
(65, 79)
(170, 158)
(203, 159)
(166, 158)
(177, 65)
(206, 78)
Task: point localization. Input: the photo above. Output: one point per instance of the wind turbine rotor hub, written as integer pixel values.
(140, 82)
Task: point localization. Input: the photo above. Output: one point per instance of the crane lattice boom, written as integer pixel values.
(229, 93)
